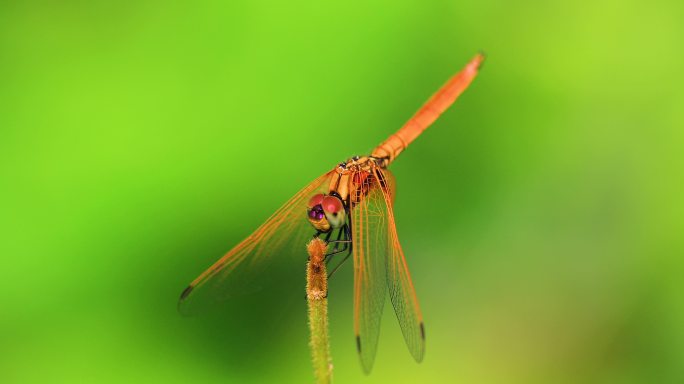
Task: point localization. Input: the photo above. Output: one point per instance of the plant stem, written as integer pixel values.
(317, 299)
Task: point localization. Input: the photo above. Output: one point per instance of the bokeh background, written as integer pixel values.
(541, 215)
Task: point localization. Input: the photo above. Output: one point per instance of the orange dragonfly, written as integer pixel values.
(350, 207)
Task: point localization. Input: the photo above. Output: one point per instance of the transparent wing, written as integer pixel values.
(281, 239)
(402, 292)
(369, 234)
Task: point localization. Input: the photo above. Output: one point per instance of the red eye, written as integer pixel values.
(332, 204)
(316, 200)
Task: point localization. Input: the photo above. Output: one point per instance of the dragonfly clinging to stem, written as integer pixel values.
(350, 207)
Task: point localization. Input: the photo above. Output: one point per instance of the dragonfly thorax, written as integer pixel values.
(360, 164)
(353, 178)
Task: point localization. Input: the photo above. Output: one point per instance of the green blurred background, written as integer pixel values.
(541, 216)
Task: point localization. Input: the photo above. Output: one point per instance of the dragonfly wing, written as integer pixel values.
(402, 292)
(369, 234)
(285, 233)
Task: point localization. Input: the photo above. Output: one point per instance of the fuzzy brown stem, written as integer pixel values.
(316, 297)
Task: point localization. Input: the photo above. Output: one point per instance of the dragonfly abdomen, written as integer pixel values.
(426, 115)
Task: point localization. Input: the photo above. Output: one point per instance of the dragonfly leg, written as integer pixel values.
(342, 239)
(339, 264)
(347, 246)
(329, 256)
(337, 242)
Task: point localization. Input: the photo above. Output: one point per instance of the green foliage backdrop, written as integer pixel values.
(541, 216)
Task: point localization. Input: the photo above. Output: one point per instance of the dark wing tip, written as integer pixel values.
(365, 363)
(186, 292)
(358, 343)
(419, 353)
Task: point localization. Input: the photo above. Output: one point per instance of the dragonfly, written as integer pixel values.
(351, 208)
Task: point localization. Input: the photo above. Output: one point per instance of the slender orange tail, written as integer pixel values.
(438, 103)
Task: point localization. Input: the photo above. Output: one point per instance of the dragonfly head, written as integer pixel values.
(326, 212)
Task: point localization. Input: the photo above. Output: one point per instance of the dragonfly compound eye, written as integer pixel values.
(316, 215)
(316, 199)
(334, 211)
